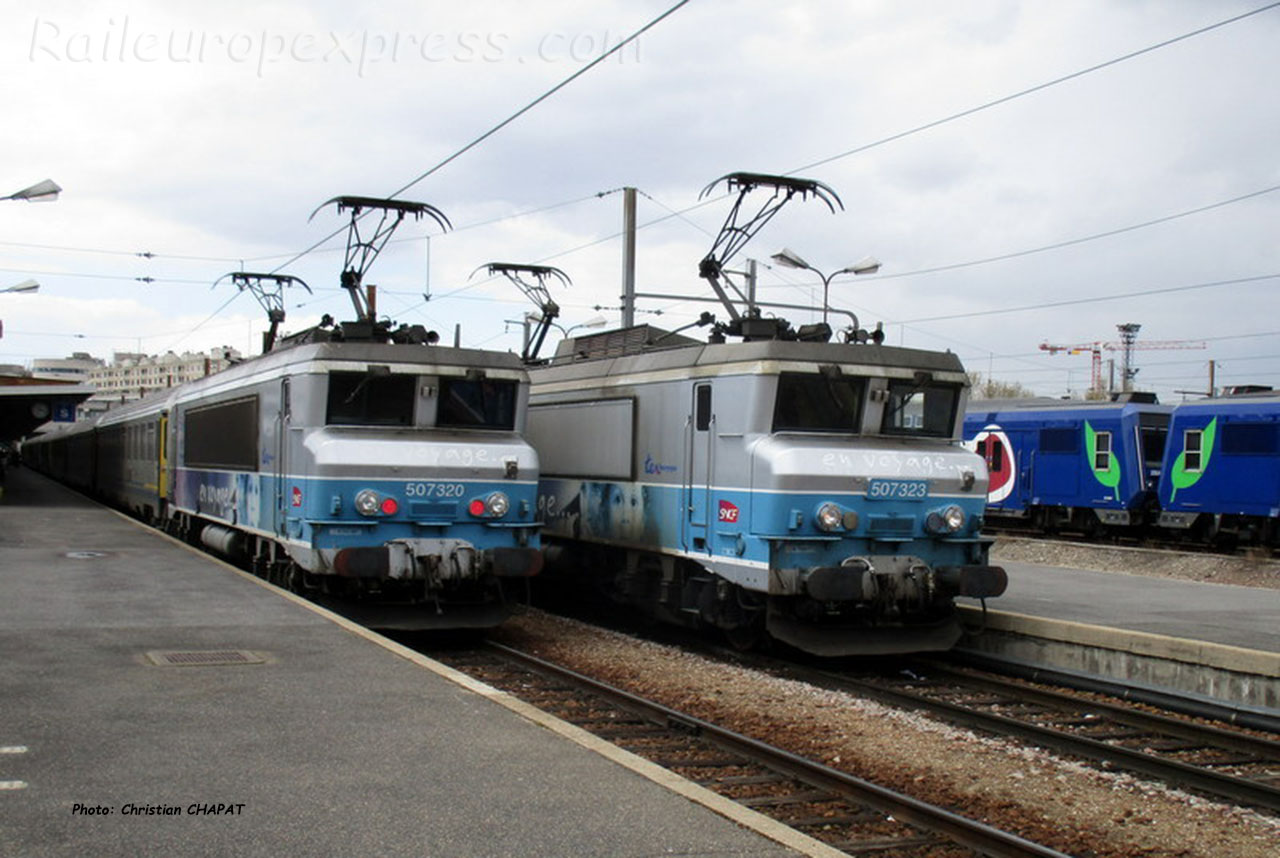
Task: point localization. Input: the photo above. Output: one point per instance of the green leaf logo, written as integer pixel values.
(1108, 476)
(1181, 477)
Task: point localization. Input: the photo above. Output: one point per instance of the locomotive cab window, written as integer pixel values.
(811, 402)
(368, 399)
(1192, 448)
(920, 408)
(1102, 451)
(1153, 435)
(483, 403)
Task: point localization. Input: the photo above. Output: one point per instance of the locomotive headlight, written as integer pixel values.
(497, 504)
(830, 517)
(367, 502)
(494, 506)
(947, 520)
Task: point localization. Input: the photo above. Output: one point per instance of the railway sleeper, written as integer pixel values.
(806, 797)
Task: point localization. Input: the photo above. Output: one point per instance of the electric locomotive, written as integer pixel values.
(782, 486)
(351, 461)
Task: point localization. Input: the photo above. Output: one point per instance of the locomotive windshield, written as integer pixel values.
(920, 408)
(365, 399)
(477, 403)
(817, 403)
(1154, 431)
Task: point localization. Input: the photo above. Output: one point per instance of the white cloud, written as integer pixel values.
(215, 131)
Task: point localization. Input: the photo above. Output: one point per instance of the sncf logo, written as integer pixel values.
(728, 512)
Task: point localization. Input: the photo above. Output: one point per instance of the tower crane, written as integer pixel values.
(1127, 344)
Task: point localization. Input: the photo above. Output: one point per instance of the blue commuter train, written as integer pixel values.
(1220, 479)
(1062, 465)
(1205, 472)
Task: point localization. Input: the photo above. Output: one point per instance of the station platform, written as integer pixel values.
(1212, 641)
(290, 731)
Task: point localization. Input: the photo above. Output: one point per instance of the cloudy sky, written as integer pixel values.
(1027, 172)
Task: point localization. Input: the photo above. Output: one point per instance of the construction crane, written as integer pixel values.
(1127, 344)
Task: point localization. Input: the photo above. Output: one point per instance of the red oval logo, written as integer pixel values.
(993, 445)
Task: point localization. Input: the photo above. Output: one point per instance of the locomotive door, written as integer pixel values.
(280, 509)
(698, 474)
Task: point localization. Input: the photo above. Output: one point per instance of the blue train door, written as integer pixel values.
(698, 474)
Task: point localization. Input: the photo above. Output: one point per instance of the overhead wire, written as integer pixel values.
(918, 129)
(1038, 87)
(512, 118)
(1093, 299)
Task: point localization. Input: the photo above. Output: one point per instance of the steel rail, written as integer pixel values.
(1204, 780)
(970, 833)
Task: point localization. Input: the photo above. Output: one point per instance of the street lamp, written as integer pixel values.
(593, 322)
(41, 192)
(789, 258)
(24, 286)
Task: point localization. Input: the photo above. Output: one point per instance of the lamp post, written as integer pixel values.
(24, 286)
(41, 192)
(593, 322)
(791, 259)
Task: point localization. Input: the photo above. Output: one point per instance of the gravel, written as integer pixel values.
(1054, 801)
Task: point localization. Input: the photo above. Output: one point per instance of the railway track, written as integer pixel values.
(844, 812)
(1226, 764)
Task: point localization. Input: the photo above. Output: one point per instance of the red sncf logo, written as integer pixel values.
(728, 512)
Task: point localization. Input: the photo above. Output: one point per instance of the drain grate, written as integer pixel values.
(205, 658)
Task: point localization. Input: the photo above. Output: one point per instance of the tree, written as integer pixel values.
(991, 389)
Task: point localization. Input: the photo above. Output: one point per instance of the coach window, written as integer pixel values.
(1102, 451)
(1191, 447)
(1064, 439)
(1250, 439)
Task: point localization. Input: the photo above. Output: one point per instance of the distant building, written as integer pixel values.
(131, 376)
(72, 370)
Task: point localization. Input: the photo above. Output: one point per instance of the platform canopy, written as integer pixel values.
(26, 405)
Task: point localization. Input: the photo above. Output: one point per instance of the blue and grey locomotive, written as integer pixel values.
(816, 492)
(352, 461)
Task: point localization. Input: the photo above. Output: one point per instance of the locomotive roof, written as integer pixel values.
(1030, 408)
(650, 349)
(1243, 402)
